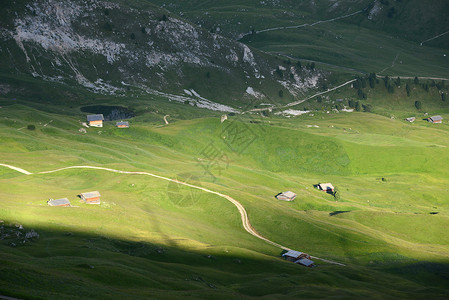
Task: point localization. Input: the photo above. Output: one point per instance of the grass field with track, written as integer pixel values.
(142, 241)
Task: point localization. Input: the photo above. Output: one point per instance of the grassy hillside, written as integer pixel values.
(180, 62)
(142, 241)
(132, 50)
(366, 36)
(412, 19)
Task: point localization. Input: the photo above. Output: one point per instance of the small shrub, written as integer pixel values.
(361, 94)
(386, 80)
(31, 127)
(363, 82)
(266, 113)
(372, 80)
(336, 194)
(351, 103)
(418, 104)
(366, 108)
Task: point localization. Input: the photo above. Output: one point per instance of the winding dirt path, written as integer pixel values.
(340, 86)
(243, 214)
(16, 169)
(435, 37)
(241, 36)
(305, 99)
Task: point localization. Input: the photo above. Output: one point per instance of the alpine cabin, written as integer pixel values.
(326, 187)
(95, 120)
(58, 202)
(123, 124)
(91, 197)
(298, 258)
(435, 119)
(286, 196)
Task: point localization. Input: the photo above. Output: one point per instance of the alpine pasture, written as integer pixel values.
(378, 228)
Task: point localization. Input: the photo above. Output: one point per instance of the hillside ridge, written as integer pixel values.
(112, 48)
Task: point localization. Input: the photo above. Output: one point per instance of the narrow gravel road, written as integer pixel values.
(16, 169)
(243, 214)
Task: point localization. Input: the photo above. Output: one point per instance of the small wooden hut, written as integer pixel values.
(58, 202)
(95, 120)
(326, 187)
(286, 196)
(435, 119)
(122, 124)
(91, 197)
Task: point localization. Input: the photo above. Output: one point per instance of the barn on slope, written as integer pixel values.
(91, 197)
(95, 120)
(58, 202)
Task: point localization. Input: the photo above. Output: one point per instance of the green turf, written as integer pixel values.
(144, 241)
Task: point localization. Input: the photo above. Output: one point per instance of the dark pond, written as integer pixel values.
(110, 113)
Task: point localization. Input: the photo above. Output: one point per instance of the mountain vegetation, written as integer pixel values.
(228, 104)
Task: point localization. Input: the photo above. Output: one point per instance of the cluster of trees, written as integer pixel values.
(363, 82)
(360, 84)
(390, 84)
(429, 84)
(358, 106)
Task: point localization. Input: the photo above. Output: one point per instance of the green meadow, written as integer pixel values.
(153, 239)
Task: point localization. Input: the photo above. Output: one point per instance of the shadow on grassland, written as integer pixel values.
(72, 264)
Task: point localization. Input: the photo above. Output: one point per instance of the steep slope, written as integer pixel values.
(413, 19)
(408, 38)
(116, 48)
